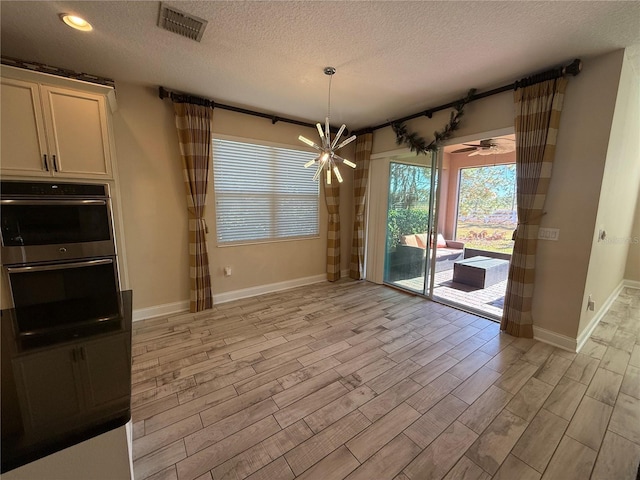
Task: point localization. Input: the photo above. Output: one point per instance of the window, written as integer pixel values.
(487, 207)
(263, 192)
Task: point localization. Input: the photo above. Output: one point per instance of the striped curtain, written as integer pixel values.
(360, 178)
(332, 199)
(194, 135)
(537, 119)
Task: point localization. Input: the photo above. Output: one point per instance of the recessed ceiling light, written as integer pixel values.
(76, 22)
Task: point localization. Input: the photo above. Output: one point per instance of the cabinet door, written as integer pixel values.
(47, 385)
(77, 131)
(106, 366)
(23, 137)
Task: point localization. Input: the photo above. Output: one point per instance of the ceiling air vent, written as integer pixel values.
(181, 23)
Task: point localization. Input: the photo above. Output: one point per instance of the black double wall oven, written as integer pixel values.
(58, 252)
(60, 265)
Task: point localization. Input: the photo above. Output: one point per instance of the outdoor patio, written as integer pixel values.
(484, 300)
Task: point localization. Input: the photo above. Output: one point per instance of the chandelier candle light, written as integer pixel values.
(327, 159)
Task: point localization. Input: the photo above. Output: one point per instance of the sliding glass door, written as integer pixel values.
(410, 216)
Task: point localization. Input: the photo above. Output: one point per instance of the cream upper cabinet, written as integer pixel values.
(23, 145)
(77, 135)
(54, 131)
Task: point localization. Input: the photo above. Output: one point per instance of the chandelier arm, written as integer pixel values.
(309, 142)
(321, 133)
(327, 132)
(346, 142)
(338, 135)
(337, 173)
(317, 174)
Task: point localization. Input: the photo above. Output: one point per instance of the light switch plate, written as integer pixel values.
(549, 234)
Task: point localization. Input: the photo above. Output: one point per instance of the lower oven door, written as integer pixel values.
(56, 302)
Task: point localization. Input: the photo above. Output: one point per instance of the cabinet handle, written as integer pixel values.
(55, 163)
(46, 165)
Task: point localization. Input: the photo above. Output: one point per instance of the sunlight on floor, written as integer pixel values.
(488, 301)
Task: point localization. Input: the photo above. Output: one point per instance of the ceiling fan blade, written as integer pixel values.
(463, 150)
(473, 144)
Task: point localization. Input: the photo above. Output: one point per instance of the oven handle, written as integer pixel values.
(52, 202)
(60, 266)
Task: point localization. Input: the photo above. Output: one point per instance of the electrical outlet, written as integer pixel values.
(227, 271)
(591, 304)
(549, 234)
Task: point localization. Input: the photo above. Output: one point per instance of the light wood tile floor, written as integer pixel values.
(359, 381)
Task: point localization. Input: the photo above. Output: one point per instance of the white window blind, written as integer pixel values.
(263, 192)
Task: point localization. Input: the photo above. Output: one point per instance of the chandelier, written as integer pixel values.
(327, 158)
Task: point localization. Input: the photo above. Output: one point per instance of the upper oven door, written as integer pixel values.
(36, 230)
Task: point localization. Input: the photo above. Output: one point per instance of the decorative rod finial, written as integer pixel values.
(574, 68)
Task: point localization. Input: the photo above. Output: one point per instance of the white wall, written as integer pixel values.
(572, 201)
(155, 215)
(617, 198)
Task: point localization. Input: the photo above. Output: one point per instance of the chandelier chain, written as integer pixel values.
(329, 101)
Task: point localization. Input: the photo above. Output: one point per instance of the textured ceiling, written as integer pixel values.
(392, 58)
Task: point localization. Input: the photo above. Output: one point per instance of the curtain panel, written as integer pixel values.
(332, 199)
(538, 109)
(193, 123)
(360, 179)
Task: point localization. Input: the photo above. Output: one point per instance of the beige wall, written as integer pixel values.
(571, 205)
(632, 271)
(618, 197)
(154, 206)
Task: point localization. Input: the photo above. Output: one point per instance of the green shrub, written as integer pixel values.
(405, 221)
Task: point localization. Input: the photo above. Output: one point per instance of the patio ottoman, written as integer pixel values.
(480, 272)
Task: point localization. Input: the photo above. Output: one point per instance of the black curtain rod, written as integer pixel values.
(573, 68)
(185, 98)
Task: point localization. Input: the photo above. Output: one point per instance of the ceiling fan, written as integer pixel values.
(489, 146)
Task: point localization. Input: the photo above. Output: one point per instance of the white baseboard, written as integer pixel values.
(269, 288)
(576, 344)
(586, 333)
(555, 339)
(631, 284)
(159, 310)
(183, 306)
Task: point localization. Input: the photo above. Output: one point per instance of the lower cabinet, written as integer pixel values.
(49, 392)
(64, 385)
(106, 371)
